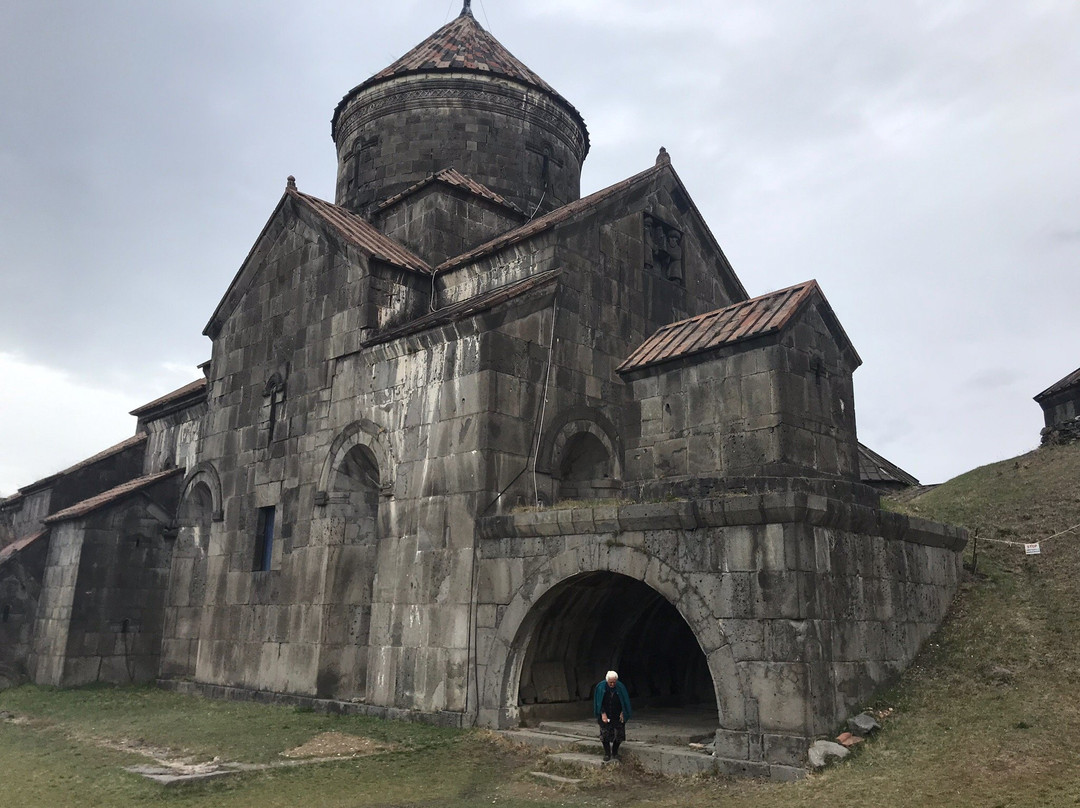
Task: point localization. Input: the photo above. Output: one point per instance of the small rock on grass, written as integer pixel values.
(849, 740)
(863, 724)
(822, 751)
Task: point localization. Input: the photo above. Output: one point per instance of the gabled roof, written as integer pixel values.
(1072, 380)
(350, 227)
(559, 215)
(873, 468)
(462, 45)
(361, 233)
(94, 503)
(767, 314)
(583, 207)
(192, 390)
(455, 179)
(467, 308)
(128, 443)
(11, 549)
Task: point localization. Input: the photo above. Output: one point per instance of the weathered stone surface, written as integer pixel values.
(822, 752)
(863, 724)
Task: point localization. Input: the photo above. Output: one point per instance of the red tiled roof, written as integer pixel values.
(467, 308)
(557, 216)
(169, 398)
(453, 177)
(461, 45)
(134, 440)
(360, 232)
(873, 468)
(16, 546)
(1072, 380)
(753, 318)
(99, 501)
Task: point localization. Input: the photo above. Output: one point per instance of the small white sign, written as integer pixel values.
(1032, 549)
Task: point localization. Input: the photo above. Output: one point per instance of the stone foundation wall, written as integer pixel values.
(802, 606)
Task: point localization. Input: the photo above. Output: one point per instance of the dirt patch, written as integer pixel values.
(337, 744)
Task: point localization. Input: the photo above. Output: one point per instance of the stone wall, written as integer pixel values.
(438, 223)
(1061, 413)
(802, 606)
(20, 589)
(100, 613)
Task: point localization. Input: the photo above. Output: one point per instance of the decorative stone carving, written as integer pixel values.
(663, 248)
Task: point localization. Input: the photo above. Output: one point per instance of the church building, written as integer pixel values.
(466, 440)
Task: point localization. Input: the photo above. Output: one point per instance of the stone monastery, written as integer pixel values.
(466, 440)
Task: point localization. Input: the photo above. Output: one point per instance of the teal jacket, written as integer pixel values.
(598, 699)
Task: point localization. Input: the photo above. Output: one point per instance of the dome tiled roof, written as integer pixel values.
(460, 45)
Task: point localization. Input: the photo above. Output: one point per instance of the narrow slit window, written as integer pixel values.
(264, 539)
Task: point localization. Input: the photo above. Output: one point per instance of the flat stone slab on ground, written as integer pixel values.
(566, 781)
(580, 759)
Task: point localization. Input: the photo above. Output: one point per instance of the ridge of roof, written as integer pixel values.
(461, 45)
(105, 454)
(362, 233)
(467, 308)
(875, 468)
(176, 395)
(765, 314)
(1060, 386)
(550, 219)
(98, 501)
(454, 178)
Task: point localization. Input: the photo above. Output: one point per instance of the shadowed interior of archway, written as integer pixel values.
(603, 621)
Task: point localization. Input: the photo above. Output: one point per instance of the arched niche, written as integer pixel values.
(347, 526)
(582, 455)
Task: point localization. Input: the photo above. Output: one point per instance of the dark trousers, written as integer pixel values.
(612, 734)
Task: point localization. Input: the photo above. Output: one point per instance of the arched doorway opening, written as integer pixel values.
(600, 621)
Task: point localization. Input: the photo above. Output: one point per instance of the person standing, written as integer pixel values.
(611, 705)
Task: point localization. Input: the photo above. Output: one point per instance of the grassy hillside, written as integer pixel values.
(989, 715)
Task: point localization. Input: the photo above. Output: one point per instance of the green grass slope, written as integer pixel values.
(988, 716)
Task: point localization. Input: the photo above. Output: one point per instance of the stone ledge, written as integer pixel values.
(742, 509)
(329, 706)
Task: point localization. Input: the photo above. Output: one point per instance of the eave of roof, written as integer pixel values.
(95, 503)
(757, 317)
(455, 179)
(467, 308)
(461, 46)
(195, 390)
(127, 443)
(875, 468)
(21, 544)
(1060, 386)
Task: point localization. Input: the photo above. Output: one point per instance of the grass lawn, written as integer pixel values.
(988, 716)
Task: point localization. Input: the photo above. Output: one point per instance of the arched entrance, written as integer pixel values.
(186, 594)
(597, 621)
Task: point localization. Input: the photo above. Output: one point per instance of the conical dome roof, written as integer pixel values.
(462, 45)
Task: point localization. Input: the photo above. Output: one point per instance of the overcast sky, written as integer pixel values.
(918, 158)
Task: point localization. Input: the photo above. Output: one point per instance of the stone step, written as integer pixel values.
(579, 759)
(541, 740)
(639, 732)
(668, 759)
